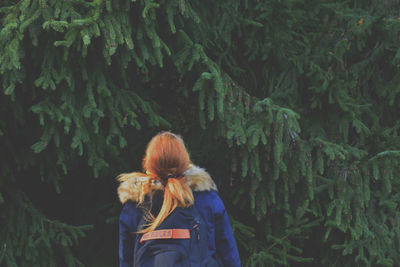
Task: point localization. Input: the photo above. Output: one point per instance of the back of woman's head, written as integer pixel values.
(166, 155)
(166, 160)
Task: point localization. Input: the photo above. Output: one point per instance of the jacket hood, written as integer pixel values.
(197, 178)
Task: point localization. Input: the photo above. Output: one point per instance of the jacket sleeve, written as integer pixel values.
(224, 239)
(128, 221)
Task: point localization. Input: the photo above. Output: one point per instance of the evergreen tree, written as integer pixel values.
(296, 101)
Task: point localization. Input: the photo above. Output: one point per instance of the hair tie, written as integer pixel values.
(174, 176)
(165, 180)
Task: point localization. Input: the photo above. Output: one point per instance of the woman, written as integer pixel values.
(170, 182)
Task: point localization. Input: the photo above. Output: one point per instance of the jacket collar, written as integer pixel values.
(197, 178)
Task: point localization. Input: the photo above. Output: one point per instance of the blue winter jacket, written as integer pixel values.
(206, 200)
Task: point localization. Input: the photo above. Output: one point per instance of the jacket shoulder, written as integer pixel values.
(130, 216)
(209, 200)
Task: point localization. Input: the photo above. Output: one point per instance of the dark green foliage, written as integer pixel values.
(296, 102)
(30, 239)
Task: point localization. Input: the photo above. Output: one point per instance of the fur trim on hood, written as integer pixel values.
(197, 178)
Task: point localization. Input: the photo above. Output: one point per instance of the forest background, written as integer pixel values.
(292, 106)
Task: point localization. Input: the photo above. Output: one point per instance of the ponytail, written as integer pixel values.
(176, 194)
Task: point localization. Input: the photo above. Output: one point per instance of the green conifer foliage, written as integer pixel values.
(301, 97)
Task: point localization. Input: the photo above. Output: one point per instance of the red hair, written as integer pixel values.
(166, 160)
